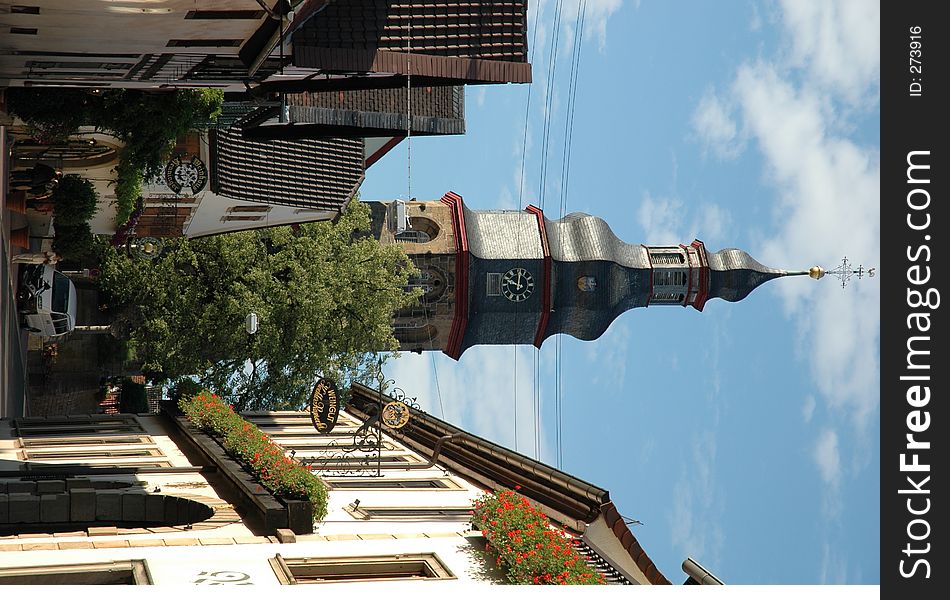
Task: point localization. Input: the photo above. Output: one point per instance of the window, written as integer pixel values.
(57, 426)
(23, 30)
(123, 572)
(250, 209)
(242, 218)
(224, 14)
(86, 453)
(385, 483)
(326, 443)
(413, 237)
(203, 43)
(67, 467)
(331, 463)
(666, 298)
(18, 9)
(52, 64)
(669, 277)
(493, 284)
(666, 258)
(85, 441)
(411, 513)
(294, 571)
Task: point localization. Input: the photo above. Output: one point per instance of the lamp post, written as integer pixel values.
(251, 322)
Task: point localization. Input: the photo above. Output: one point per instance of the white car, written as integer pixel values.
(47, 301)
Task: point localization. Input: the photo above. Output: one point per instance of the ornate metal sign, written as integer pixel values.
(395, 414)
(324, 406)
(180, 174)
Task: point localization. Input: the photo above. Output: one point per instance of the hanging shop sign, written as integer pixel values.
(324, 406)
(395, 414)
(180, 174)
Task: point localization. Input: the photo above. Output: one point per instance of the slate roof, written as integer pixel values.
(320, 174)
(733, 274)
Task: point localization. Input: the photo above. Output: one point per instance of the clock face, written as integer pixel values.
(517, 285)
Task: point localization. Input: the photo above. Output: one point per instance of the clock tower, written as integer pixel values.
(515, 277)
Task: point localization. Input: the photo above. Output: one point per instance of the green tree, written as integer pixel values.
(75, 200)
(324, 295)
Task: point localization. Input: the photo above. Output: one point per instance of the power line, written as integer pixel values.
(565, 181)
(438, 388)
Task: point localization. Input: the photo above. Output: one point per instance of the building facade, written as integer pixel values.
(266, 45)
(516, 277)
(145, 499)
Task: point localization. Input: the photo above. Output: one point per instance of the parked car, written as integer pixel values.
(47, 301)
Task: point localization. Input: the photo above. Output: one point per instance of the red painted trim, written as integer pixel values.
(703, 294)
(454, 345)
(382, 151)
(689, 276)
(546, 279)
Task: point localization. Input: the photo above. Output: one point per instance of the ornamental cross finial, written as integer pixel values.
(845, 271)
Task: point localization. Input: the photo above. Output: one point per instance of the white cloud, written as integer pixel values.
(828, 192)
(834, 567)
(826, 453)
(837, 42)
(808, 408)
(479, 95)
(479, 398)
(609, 352)
(669, 221)
(697, 509)
(713, 124)
(826, 456)
(660, 219)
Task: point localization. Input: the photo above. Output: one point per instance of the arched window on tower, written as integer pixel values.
(422, 230)
(411, 236)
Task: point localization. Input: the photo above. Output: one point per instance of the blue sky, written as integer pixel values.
(745, 436)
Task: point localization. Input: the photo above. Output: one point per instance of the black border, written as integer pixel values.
(911, 123)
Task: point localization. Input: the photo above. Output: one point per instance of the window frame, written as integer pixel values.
(136, 568)
(455, 514)
(444, 484)
(430, 564)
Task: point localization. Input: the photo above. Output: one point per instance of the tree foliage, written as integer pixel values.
(74, 199)
(74, 242)
(147, 122)
(324, 295)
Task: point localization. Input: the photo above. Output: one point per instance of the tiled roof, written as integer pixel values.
(321, 174)
(439, 101)
(436, 110)
(373, 35)
(615, 521)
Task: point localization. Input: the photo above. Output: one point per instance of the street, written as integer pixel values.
(12, 338)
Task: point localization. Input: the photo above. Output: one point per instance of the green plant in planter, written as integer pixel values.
(74, 242)
(74, 200)
(244, 441)
(526, 546)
